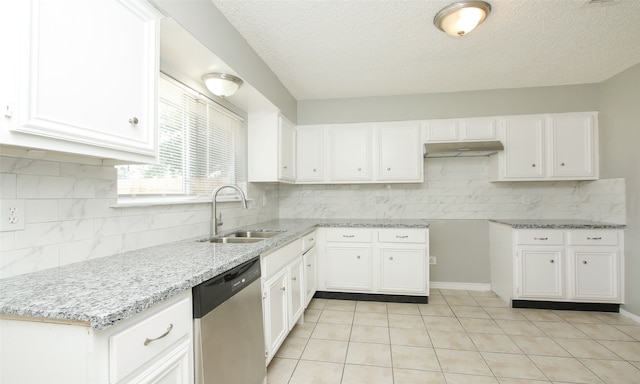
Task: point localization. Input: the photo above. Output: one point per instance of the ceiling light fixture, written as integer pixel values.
(461, 17)
(222, 84)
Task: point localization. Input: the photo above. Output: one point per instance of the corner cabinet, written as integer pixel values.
(82, 85)
(154, 346)
(547, 147)
(557, 265)
(271, 147)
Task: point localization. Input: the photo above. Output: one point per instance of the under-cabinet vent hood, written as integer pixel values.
(462, 149)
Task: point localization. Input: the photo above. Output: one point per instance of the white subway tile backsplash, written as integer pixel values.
(69, 215)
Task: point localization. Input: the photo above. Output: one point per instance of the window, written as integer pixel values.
(201, 146)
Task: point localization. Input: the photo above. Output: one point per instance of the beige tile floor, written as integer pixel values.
(460, 337)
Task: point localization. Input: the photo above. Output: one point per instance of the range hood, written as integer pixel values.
(462, 149)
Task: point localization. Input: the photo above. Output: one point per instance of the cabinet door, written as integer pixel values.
(540, 273)
(478, 129)
(349, 268)
(572, 149)
(350, 152)
(310, 274)
(310, 147)
(172, 368)
(403, 270)
(399, 152)
(286, 153)
(296, 295)
(523, 148)
(276, 325)
(441, 130)
(596, 273)
(85, 81)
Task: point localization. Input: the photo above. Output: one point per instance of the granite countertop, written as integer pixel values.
(557, 224)
(98, 293)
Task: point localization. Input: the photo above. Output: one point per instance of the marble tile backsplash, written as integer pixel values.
(458, 188)
(70, 215)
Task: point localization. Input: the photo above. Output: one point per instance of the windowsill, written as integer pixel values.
(126, 202)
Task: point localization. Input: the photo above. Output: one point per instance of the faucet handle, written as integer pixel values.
(219, 220)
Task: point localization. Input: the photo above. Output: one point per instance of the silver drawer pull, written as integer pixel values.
(594, 238)
(148, 341)
(357, 257)
(552, 261)
(401, 236)
(294, 278)
(283, 288)
(540, 238)
(309, 265)
(348, 236)
(584, 261)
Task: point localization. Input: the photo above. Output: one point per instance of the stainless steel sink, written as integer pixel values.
(255, 234)
(236, 240)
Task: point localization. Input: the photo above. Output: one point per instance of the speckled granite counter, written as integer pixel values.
(559, 224)
(98, 293)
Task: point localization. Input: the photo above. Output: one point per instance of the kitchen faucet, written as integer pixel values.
(214, 210)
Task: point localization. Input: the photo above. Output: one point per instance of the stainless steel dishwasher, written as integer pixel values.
(229, 338)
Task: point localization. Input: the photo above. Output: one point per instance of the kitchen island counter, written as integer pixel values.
(100, 292)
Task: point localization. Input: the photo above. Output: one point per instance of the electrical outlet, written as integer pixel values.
(433, 260)
(11, 215)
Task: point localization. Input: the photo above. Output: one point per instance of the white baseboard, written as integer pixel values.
(460, 286)
(630, 315)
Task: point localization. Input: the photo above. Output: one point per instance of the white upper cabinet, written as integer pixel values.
(359, 153)
(523, 154)
(547, 147)
(572, 146)
(310, 153)
(399, 152)
(452, 130)
(86, 78)
(271, 144)
(350, 152)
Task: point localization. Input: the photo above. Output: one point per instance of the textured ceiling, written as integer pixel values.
(325, 49)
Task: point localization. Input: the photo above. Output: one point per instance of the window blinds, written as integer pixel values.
(201, 146)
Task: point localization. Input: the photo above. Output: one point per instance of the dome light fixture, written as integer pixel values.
(222, 84)
(461, 17)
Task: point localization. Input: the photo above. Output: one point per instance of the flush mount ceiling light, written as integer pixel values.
(222, 84)
(461, 17)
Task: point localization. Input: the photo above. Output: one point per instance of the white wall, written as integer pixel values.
(69, 215)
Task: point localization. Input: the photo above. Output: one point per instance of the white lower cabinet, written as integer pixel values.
(154, 346)
(349, 267)
(283, 294)
(377, 261)
(566, 265)
(310, 257)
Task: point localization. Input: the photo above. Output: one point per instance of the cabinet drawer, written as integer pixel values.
(540, 237)
(593, 237)
(309, 240)
(349, 235)
(273, 262)
(140, 343)
(402, 236)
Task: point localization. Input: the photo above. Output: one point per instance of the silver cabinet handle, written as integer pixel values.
(552, 261)
(149, 341)
(562, 164)
(533, 165)
(540, 238)
(390, 257)
(584, 261)
(133, 120)
(309, 265)
(594, 238)
(359, 169)
(357, 257)
(283, 288)
(314, 169)
(389, 168)
(401, 236)
(348, 236)
(284, 166)
(294, 278)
